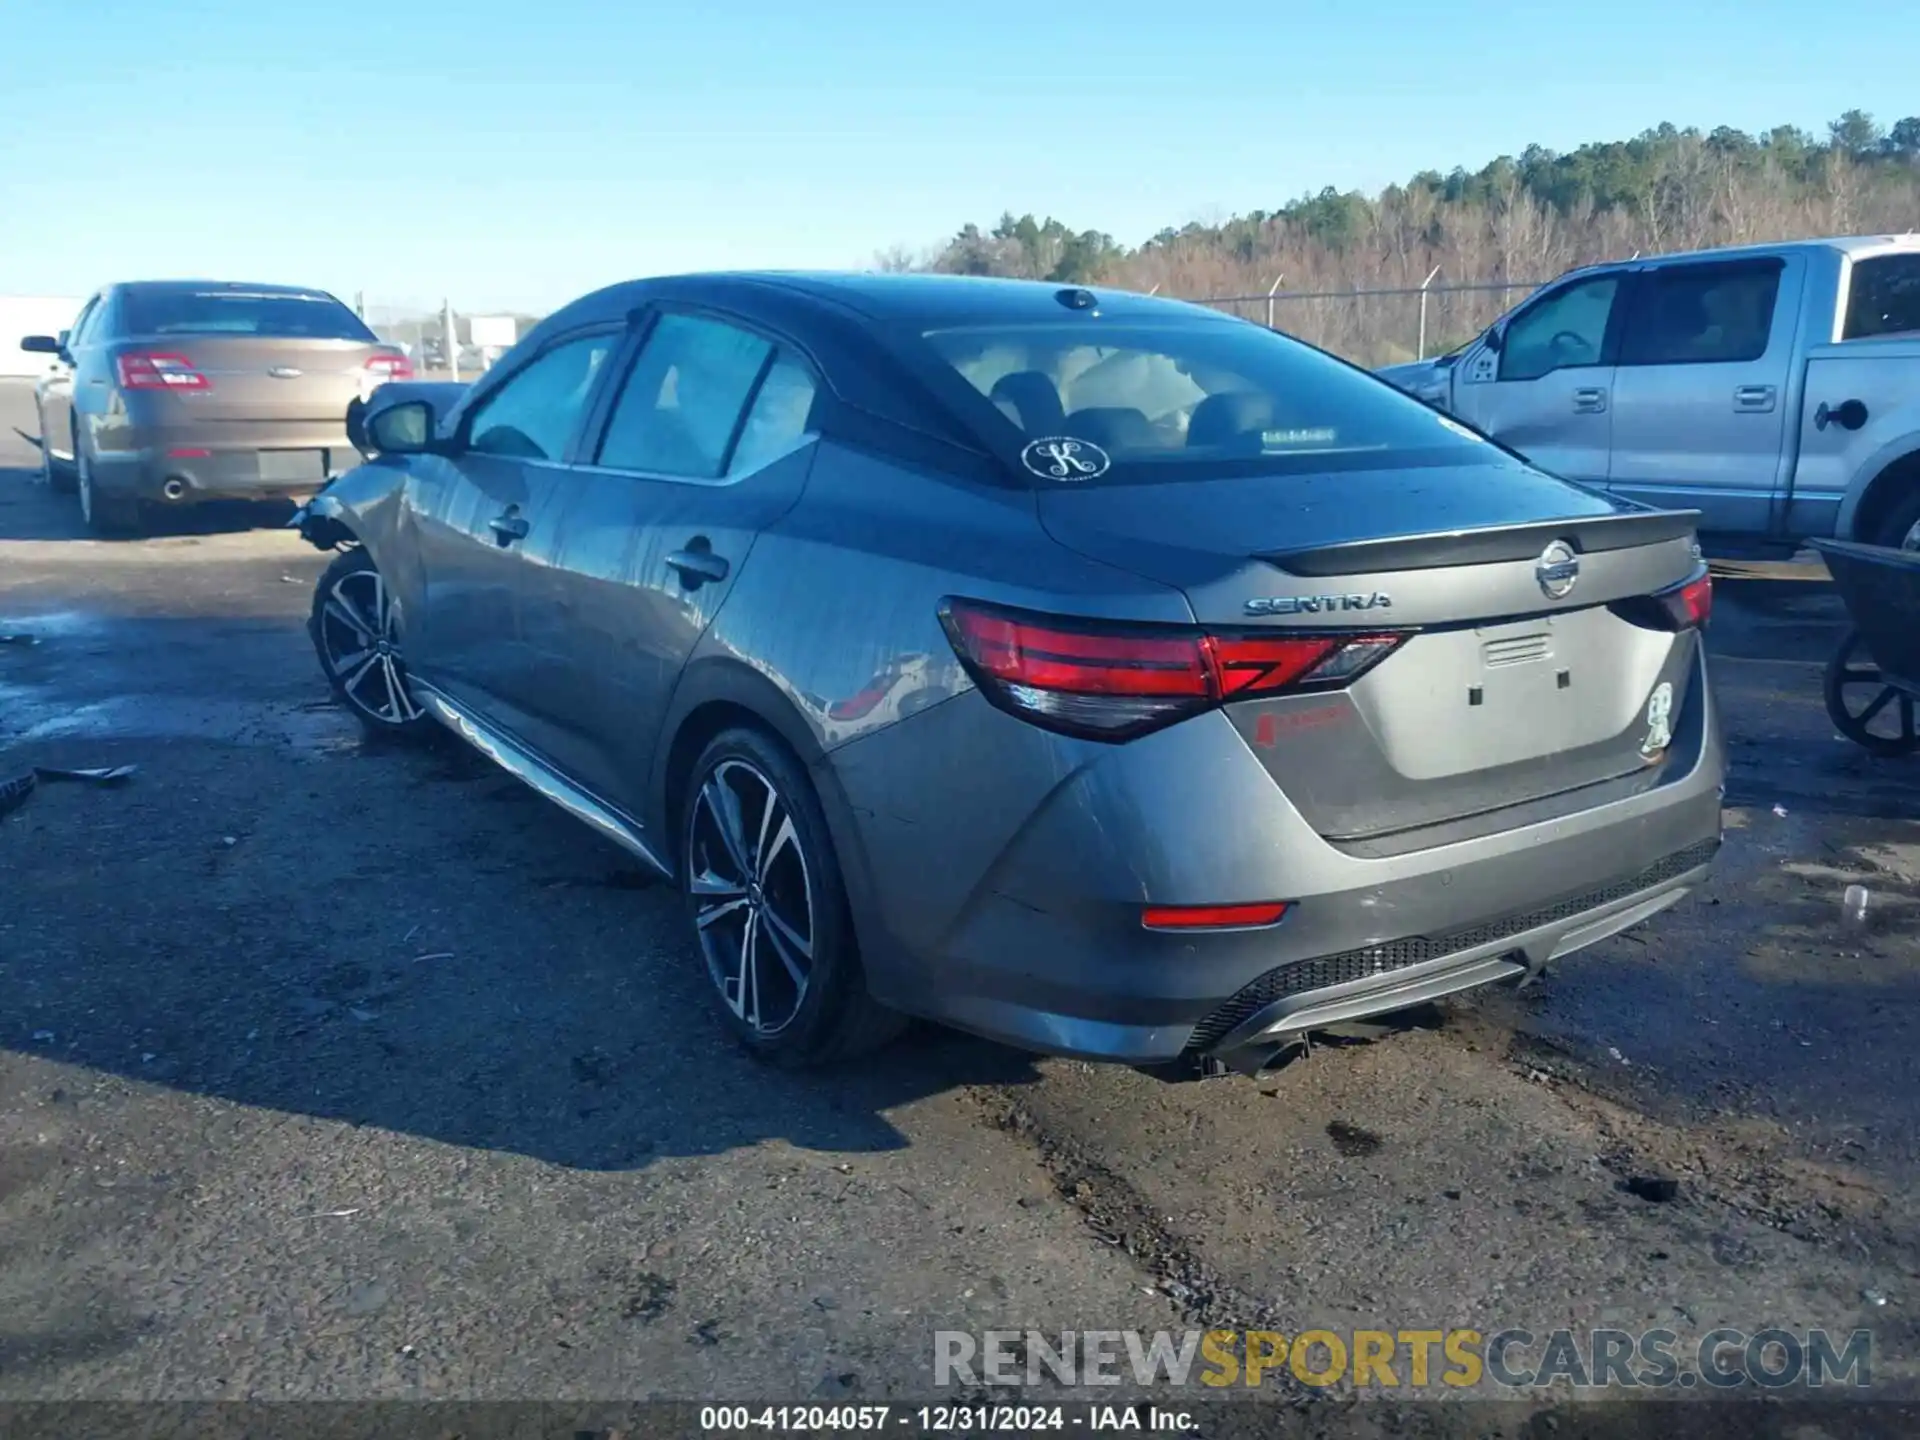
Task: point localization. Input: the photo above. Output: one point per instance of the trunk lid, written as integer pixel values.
(1526, 683)
(269, 377)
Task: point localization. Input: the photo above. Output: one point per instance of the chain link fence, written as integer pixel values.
(443, 341)
(1370, 327)
(1389, 326)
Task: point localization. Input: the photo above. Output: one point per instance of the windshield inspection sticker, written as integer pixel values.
(1061, 457)
(1659, 718)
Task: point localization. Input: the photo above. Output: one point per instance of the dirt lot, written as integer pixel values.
(329, 1072)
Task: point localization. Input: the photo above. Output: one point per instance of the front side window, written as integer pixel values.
(1702, 314)
(1565, 330)
(683, 399)
(1190, 398)
(533, 413)
(1883, 297)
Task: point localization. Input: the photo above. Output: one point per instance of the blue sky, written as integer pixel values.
(519, 152)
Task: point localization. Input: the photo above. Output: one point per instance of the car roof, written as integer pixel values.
(240, 287)
(932, 300)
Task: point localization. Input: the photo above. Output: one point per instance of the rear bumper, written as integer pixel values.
(1024, 924)
(185, 467)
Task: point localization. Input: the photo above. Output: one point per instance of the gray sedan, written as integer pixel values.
(176, 391)
(1089, 671)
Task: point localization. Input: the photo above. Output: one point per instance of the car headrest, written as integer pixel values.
(1028, 399)
(1229, 416)
(1112, 427)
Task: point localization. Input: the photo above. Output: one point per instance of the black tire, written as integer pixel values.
(1899, 528)
(791, 872)
(356, 636)
(1876, 698)
(57, 475)
(112, 515)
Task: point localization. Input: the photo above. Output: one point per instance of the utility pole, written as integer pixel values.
(452, 337)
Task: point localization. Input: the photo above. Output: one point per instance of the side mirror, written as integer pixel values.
(405, 428)
(41, 345)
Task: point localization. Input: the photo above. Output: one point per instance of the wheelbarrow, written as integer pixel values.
(1873, 679)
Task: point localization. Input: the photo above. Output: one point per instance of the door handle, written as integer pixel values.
(698, 564)
(1758, 398)
(1590, 400)
(508, 526)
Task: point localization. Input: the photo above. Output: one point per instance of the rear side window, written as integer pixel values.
(1883, 297)
(78, 334)
(1190, 398)
(1702, 314)
(239, 312)
(702, 393)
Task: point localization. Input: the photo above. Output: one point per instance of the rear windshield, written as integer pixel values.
(240, 312)
(1191, 399)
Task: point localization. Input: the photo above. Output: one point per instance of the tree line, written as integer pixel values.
(1515, 221)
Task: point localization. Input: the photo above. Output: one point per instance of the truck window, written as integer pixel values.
(1716, 313)
(1883, 297)
(1560, 331)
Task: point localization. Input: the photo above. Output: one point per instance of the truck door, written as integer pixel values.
(1699, 395)
(1544, 386)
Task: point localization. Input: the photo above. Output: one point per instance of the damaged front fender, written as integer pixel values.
(319, 523)
(350, 508)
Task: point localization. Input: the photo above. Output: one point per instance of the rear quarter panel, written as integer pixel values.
(1835, 466)
(832, 631)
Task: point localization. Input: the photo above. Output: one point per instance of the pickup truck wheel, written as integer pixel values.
(1899, 528)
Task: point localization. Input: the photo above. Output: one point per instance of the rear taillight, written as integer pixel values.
(390, 366)
(1686, 606)
(1114, 681)
(1691, 604)
(148, 370)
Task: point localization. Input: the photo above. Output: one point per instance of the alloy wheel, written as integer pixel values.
(753, 896)
(359, 638)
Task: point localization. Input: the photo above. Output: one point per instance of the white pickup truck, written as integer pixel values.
(1773, 388)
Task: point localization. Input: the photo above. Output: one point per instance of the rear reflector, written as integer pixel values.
(189, 454)
(391, 366)
(1111, 681)
(1212, 917)
(146, 370)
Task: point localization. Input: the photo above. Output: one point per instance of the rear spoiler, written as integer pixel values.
(1490, 545)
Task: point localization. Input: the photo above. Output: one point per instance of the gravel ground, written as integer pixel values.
(336, 1072)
